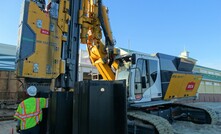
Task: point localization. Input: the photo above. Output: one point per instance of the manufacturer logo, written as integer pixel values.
(43, 31)
(190, 86)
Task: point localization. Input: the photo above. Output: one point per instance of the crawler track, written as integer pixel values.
(213, 116)
(161, 125)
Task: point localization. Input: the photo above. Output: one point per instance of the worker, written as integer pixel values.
(29, 113)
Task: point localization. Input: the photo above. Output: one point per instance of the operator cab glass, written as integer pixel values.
(145, 76)
(141, 78)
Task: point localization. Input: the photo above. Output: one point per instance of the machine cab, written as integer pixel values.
(142, 74)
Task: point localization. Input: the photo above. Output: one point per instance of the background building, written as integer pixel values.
(210, 87)
(10, 86)
(7, 57)
(86, 70)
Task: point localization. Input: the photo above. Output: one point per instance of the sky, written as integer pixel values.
(150, 26)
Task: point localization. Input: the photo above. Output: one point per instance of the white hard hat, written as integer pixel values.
(32, 91)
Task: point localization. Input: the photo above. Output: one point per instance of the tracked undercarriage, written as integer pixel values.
(156, 120)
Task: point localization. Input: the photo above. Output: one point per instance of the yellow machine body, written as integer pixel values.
(44, 60)
(183, 85)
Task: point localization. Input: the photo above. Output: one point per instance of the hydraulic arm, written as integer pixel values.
(93, 20)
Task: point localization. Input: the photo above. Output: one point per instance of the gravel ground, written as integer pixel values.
(180, 127)
(7, 127)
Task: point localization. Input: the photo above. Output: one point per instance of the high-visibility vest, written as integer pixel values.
(29, 112)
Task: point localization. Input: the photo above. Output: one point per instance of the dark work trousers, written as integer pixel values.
(33, 130)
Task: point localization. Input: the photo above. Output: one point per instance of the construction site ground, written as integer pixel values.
(179, 127)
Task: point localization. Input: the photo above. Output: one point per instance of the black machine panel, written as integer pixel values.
(99, 107)
(171, 64)
(60, 113)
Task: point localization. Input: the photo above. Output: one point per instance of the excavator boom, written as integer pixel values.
(94, 19)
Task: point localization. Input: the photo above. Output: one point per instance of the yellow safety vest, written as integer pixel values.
(29, 112)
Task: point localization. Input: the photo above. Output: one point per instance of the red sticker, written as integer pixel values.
(43, 31)
(190, 86)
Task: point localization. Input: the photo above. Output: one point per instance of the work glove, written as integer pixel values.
(18, 130)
